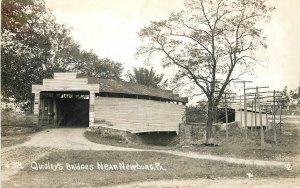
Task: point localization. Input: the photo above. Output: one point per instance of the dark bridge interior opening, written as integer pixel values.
(221, 115)
(64, 109)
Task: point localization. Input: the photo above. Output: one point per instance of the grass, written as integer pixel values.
(235, 146)
(12, 120)
(175, 168)
(9, 117)
(12, 140)
(140, 142)
(238, 146)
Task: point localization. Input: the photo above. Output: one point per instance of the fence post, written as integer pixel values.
(274, 121)
(262, 136)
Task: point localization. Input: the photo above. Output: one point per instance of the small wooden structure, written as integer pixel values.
(253, 121)
(70, 99)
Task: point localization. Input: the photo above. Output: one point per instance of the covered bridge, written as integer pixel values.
(253, 118)
(72, 100)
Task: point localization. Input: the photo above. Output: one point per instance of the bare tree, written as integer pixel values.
(211, 42)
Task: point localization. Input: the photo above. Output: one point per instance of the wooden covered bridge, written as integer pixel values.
(72, 100)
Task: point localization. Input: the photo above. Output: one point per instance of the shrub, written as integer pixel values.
(10, 117)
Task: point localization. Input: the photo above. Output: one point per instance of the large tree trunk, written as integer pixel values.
(210, 120)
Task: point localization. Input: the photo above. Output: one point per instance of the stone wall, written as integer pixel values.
(158, 139)
(190, 133)
(111, 133)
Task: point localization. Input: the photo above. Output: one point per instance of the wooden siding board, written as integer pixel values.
(74, 80)
(65, 87)
(36, 104)
(138, 114)
(64, 75)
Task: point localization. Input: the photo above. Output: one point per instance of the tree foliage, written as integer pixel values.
(295, 95)
(26, 26)
(210, 42)
(196, 113)
(34, 46)
(147, 77)
(91, 65)
(292, 97)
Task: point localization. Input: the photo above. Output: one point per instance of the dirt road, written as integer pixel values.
(68, 139)
(73, 139)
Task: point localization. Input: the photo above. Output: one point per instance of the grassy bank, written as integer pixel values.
(236, 146)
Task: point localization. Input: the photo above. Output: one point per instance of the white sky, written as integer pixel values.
(109, 27)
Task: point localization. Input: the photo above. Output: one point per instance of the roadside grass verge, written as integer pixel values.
(16, 128)
(175, 168)
(236, 146)
(288, 143)
(16, 136)
(12, 140)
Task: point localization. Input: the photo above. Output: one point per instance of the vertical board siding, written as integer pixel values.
(249, 114)
(139, 114)
(36, 103)
(36, 108)
(92, 109)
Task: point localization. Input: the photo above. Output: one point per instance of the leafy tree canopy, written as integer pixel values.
(26, 46)
(34, 46)
(147, 77)
(91, 65)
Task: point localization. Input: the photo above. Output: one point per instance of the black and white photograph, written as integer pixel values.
(150, 93)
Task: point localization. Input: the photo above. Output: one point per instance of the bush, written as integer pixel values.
(10, 117)
(196, 114)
